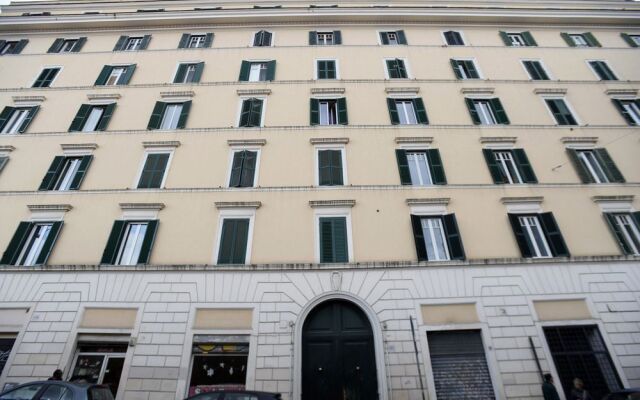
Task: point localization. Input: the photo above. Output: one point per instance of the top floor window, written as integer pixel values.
(325, 38)
(518, 39)
(62, 45)
(585, 39)
(393, 38)
(453, 38)
(12, 46)
(198, 41)
(132, 43)
(262, 39)
(632, 40)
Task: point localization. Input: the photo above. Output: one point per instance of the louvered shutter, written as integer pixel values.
(147, 242)
(421, 112)
(418, 237)
(27, 121)
(314, 111)
(472, 111)
(553, 235)
(505, 38)
(494, 168)
(184, 41)
(124, 80)
(182, 69)
(337, 37)
(198, 73)
(184, 114)
(20, 46)
(113, 242)
(104, 75)
(582, 171)
(518, 232)
(393, 111)
(403, 167)
(47, 246)
(122, 41)
(11, 254)
(456, 70)
(55, 47)
(567, 39)
(384, 38)
(79, 45)
(156, 115)
(528, 38)
(245, 69)
(248, 168)
(402, 38)
(78, 120)
(618, 104)
(255, 119)
(591, 40)
(524, 166)
(454, 240)
(106, 117)
(233, 241)
(53, 173)
(501, 115)
(208, 40)
(236, 169)
(5, 115)
(436, 167)
(85, 162)
(617, 233)
(333, 237)
(313, 38)
(610, 168)
(627, 38)
(145, 42)
(271, 70)
(343, 118)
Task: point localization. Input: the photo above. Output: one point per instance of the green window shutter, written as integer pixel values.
(581, 169)
(393, 111)
(182, 70)
(47, 247)
(11, 254)
(198, 73)
(617, 233)
(343, 118)
(471, 67)
(436, 167)
(271, 70)
(524, 166)
(106, 117)
(333, 240)
(248, 168)
(127, 75)
(82, 171)
(145, 42)
(184, 41)
(258, 39)
(505, 38)
(528, 38)
(121, 43)
(5, 115)
(153, 171)
(313, 38)
(55, 47)
(629, 40)
(454, 240)
(494, 168)
(32, 113)
(521, 238)
(104, 75)
(402, 38)
(233, 241)
(567, 39)
(623, 111)
(208, 40)
(255, 118)
(337, 37)
(245, 69)
(393, 69)
(156, 115)
(113, 243)
(53, 173)
(20, 46)
(330, 168)
(421, 112)
(456, 70)
(2, 43)
(553, 234)
(636, 217)
(314, 111)
(78, 120)
(245, 113)
(236, 169)
(403, 167)
(184, 114)
(610, 168)
(591, 40)
(560, 112)
(79, 45)
(501, 115)
(147, 242)
(384, 38)
(46, 77)
(418, 237)
(472, 111)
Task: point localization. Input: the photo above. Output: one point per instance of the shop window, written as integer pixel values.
(99, 363)
(6, 344)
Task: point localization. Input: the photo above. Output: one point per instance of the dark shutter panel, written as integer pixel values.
(198, 73)
(314, 111)
(258, 39)
(472, 111)
(79, 45)
(501, 115)
(384, 38)
(266, 38)
(14, 248)
(593, 42)
(337, 37)
(629, 40)
(53, 173)
(610, 168)
(617, 233)
(248, 168)
(208, 40)
(393, 111)
(418, 237)
(456, 70)
(473, 72)
(520, 236)
(147, 242)
(233, 241)
(313, 38)
(568, 39)
(505, 38)
(403, 167)
(47, 246)
(5, 115)
(82, 170)
(581, 170)
(182, 70)
(336, 167)
(623, 111)
(104, 75)
(236, 169)
(156, 115)
(240, 245)
(245, 68)
(271, 70)
(421, 112)
(494, 168)
(121, 43)
(55, 47)
(340, 246)
(454, 241)
(553, 234)
(184, 40)
(324, 167)
(106, 117)
(145, 42)
(436, 167)
(3, 162)
(528, 39)
(245, 113)
(343, 119)
(78, 120)
(124, 80)
(636, 218)
(20, 46)
(32, 113)
(184, 114)
(255, 118)
(524, 166)
(111, 249)
(402, 39)
(326, 240)
(2, 43)
(226, 241)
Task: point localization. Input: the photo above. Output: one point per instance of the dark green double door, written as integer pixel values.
(338, 357)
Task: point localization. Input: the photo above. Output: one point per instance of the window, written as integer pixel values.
(257, 71)
(99, 363)
(579, 351)
(115, 75)
(189, 73)
(509, 166)
(453, 38)
(561, 112)
(465, 69)
(630, 110)
(330, 170)
(437, 237)
(91, 118)
(632, 40)
(234, 238)
(153, 172)
(46, 77)
(66, 173)
(12, 46)
(326, 69)
(196, 41)
(199, 41)
(602, 71)
(487, 111)
(334, 247)
(251, 113)
(580, 39)
(420, 167)
(24, 393)
(130, 242)
(325, 38)
(262, 39)
(167, 116)
(329, 111)
(32, 243)
(6, 345)
(219, 363)
(535, 70)
(62, 45)
(407, 111)
(396, 69)
(518, 39)
(243, 168)
(538, 235)
(595, 166)
(459, 354)
(132, 43)
(16, 119)
(626, 229)
(393, 38)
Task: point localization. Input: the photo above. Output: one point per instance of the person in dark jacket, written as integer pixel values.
(549, 391)
(578, 392)
(57, 375)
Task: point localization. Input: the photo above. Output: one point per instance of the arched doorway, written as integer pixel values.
(338, 356)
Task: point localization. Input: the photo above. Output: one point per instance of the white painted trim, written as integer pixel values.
(406, 67)
(428, 210)
(315, 68)
(343, 153)
(242, 98)
(616, 206)
(232, 152)
(332, 212)
(47, 215)
(155, 150)
(524, 208)
(249, 213)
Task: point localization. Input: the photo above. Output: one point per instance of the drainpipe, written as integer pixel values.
(291, 326)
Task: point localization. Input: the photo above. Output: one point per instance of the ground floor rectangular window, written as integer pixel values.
(99, 363)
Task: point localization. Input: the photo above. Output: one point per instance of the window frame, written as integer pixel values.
(404, 60)
(236, 149)
(239, 112)
(634, 228)
(420, 149)
(343, 155)
(462, 36)
(519, 35)
(253, 37)
(476, 65)
(330, 212)
(581, 35)
(490, 107)
(567, 104)
(138, 44)
(606, 63)
(196, 35)
(544, 67)
(385, 31)
(235, 213)
(33, 82)
(634, 100)
(316, 70)
(13, 43)
(27, 109)
(177, 68)
(528, 232)
(325, 32)
(147, 152)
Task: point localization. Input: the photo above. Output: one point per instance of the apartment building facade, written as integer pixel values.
(331, 201)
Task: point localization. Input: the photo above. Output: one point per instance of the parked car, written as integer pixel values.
(57, 390)
(235, 395)
(624, 394)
